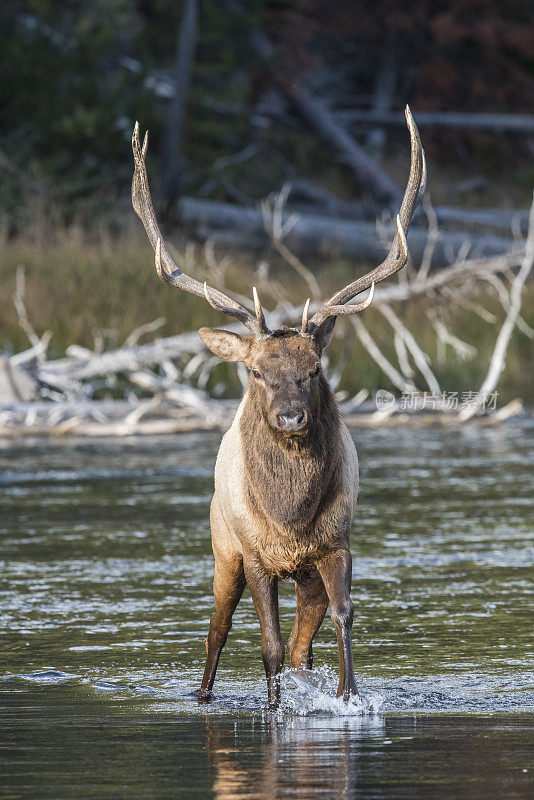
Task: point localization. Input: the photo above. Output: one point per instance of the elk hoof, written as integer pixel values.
(346, 694)
(203, 695)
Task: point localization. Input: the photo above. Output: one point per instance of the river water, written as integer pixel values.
(105, 598)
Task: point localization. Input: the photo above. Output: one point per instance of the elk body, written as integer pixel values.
(286, 476)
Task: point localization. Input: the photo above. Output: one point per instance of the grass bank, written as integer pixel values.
(81, 286)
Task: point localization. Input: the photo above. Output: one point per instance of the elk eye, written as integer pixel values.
(256, 374)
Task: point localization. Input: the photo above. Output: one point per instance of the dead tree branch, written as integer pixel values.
(176, 370)
(403, 384)
(498, 359)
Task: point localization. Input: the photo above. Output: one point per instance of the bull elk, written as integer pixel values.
(286, 476)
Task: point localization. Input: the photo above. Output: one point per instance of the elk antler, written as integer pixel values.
(398, 254)
(166, 267)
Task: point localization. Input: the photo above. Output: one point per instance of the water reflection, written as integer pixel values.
(317, 756)
(404, 758)
(62, 741)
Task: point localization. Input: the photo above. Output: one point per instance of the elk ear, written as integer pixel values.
(323, 334)
(225, 344)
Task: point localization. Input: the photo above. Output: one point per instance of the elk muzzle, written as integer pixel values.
(291, 418)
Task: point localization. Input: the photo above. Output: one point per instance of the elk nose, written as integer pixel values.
(291, 419)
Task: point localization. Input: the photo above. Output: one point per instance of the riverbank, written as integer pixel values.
(94, 290)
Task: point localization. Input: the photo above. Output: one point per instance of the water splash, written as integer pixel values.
(308, 692)
(305, 693)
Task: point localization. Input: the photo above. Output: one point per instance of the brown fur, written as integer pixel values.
(298, 472)
(283, 503)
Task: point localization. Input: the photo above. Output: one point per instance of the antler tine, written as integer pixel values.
(423, 179)
(239, 313)
(340, 311)
(166, 267)
(398, 254)
(304, 325)
(260, 316)
(159, 267)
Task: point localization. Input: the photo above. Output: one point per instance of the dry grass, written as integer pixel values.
(80, 285)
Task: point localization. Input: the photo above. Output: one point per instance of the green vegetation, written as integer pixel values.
(74, 77)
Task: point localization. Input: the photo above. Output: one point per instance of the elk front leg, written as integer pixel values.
(228, 586)
(264, 590)
(336, 572)
(312, 602)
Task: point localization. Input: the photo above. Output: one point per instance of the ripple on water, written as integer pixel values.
(107, 575)
(43, 676)
(313, 693)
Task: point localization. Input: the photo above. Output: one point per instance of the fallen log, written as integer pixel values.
(324, 236)
(309, 198)
(189, 407)
(498, 123)
(501, 218)
(372, 179)
(16, 383)
(123, 359)
(118, 418)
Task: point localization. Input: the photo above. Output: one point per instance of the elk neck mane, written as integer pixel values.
(289, 480)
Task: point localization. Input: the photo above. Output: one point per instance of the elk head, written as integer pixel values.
(286, 379)
(284, 364)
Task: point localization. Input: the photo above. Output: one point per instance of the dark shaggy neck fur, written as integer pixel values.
(291, 479)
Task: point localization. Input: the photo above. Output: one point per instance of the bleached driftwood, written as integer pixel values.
(110, 418)
(456, 281)
(103, 418)
(69, 374)
(165, 379)
(88, 366)
(498, 358)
